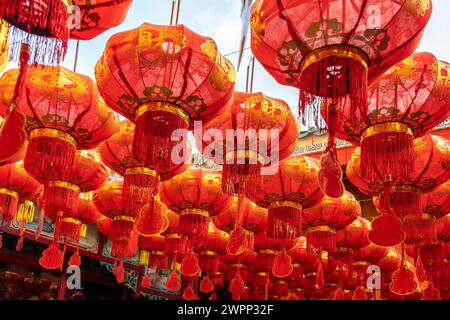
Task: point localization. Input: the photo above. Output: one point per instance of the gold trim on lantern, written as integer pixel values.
(361, 263)
(406, 188)
(72, 220)
(238, 265)
(279, 282)
(347, 291)
(173, 236)
(297, 265)
(9, 192)
(311, 274)
(157, 253)
(53, 133)
(65, 185)
(261, 274)
(285, 203)
(321, 229)
(334, 51)
(163, 106)
(268, 251)
(344, 249)
(424, 216)
(247, 154)
(124, 218)
(208, 253)
(141, 170)
(386, 127)
(194, 211)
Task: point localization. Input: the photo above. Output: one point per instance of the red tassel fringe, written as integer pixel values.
(419, 230)
(195, 227)
(158, 261)
(49, 158)
(235, 174)
(387, 154)
(60, 199)
(208, 263)
(284, 223)
(8, 206)
(70, 231)
(138, 190)
(152, 142)
(321, 240)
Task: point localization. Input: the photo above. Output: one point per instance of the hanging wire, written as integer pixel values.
(75, 63)
(172, 12)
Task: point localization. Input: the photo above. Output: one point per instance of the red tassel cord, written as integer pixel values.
(114, 270)
(63, 256)
(50, 154)
(339, 80)
(9, 201)
(120, 275)
(387, 151)
(52, 257)
(284, 220)
(147, 280)
(20, 241)
(139, 184)
(238, 241)
(155, 124)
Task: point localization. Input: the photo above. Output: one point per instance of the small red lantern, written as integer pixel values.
(323, 220)
(253, 220)
(152, 256)
(292, 189)
(352, 237)
(140, 75)
(196, 196)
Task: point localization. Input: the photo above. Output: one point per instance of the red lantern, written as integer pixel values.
(352, 237)
(152, 255)
(108, 201)
(407, 102)
(254, 118)
(253, 220)
(323, 220)
(15, 185)
(183, 78)
(403, 196)
(301, 258)
(196, 196)
(140, 181)
(241, 262)
(64, 113)
(330, 51)
(98, 16)
(292, 189)
(388, 265)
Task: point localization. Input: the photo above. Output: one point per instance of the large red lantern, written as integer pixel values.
(108, 201)
(331, 50)
(293, 188)
(330, 215)
(196, 196)
(253, 220)
(403, 196)
(64, 113)
(98, 16)
(141, 182)
(163, 78)
(254, 119)
(16, 185)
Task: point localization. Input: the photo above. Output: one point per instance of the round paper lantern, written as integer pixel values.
(108, 201)
(15, 185)
(140, 181)
(196, 196)
(64, 113)
(331, 51)
(407, 102)
(302, 258)
(403, 196)
(253, 220)
(163, 78)
(41, 23)
(241, 262)
(152, 252)
(285, 194)
(253, 118)
(352, 237)
(388, 264)
(98, 16)
(323, 220)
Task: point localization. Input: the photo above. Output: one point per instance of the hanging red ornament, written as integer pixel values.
(403, 282)
(196, 196)
(286, 194)
(163, 95)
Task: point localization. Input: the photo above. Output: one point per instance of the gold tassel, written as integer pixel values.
(83, 230)
(26, 211)
(143, 257)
